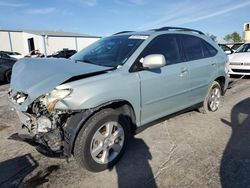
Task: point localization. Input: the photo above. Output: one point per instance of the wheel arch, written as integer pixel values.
(222, 81)
(76, 122)
(8, 71)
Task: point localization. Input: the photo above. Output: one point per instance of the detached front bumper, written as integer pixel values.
(57, 143)
(36, 143)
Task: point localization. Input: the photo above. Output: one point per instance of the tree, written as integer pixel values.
(236, 37)
(233, 37)
(228, 37)
(213, 37)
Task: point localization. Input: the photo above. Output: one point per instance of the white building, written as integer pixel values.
(47, 42)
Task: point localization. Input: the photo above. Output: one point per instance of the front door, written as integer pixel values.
(164, 90)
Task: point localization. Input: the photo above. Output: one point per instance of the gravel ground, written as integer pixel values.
(188, 150)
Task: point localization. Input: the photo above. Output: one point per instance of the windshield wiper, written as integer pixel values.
(85, 61)
(88, 61)
(93, 63)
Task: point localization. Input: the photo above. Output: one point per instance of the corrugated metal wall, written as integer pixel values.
(18, 41)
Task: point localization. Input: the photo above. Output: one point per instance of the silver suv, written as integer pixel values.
(90, 104)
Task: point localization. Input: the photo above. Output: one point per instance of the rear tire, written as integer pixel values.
(212, 100)
(8, 76)
(102, 140)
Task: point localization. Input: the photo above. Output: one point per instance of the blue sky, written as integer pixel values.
(105, 17)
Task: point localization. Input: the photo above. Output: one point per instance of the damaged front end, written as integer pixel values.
(43, 123)
(36, 91)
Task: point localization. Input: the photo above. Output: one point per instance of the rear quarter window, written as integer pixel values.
(209, 49)
(196, 48)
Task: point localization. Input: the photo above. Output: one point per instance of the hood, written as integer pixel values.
(240, 57)
(38, 76)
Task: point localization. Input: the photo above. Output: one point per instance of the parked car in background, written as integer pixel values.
(226, 49)
(65, 53)
(239, 61)
(6, 64)
(89, 105)
(35, 53)
(236, 46)
(15, 55)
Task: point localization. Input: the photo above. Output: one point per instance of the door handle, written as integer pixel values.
(213, 64)
(183, 71)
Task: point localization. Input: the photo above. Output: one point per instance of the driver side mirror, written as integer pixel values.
(153, 61)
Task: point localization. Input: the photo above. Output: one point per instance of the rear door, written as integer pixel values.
(201, 64)
(164, 90)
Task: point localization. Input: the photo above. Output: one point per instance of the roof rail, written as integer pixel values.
(178, 28)
(122, 32)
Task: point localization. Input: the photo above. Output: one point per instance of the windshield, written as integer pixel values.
(16, 53)
(236, 46)
(111, 51)
(244, 48)
(224, 48)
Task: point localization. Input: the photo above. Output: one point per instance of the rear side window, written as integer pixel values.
(196, 48)
(192, 47)
(166, 45)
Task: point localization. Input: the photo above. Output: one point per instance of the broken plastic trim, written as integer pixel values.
(39, 147)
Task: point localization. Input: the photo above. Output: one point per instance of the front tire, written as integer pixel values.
(102, 140)
(213, 99)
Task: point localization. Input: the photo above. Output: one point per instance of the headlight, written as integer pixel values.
(59, 93)
(55, 96)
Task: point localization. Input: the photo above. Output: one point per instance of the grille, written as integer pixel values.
(240, 64)
(234, 63)
(241, 70)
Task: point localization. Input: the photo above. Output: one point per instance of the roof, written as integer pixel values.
(52, 33)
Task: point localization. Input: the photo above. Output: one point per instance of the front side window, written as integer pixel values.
(166, 45)
(243, 48)
(225, 48)
(111, 51)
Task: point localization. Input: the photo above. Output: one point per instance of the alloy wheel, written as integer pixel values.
(214, 99)
(107, 142)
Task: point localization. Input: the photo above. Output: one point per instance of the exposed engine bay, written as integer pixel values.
(45, 124)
